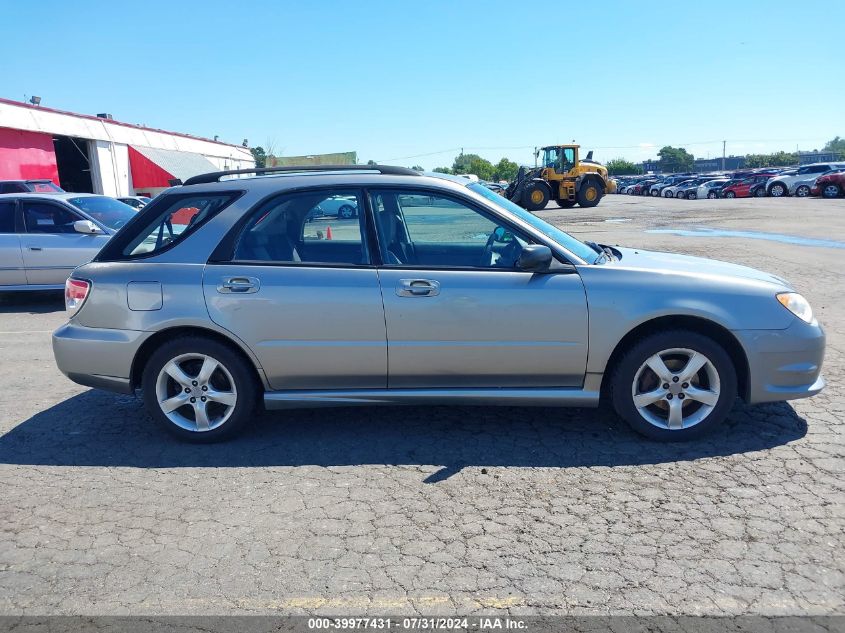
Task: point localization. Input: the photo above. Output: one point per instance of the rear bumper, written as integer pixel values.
(97, 357)
(784, 364)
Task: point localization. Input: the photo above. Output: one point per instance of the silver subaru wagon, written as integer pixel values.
(230, 292)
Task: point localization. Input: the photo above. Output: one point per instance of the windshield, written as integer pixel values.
(564, 239)
(105, 210)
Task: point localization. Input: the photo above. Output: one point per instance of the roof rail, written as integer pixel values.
(215, 176)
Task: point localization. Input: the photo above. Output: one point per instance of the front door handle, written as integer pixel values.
(418, 288)
(238, 285)
(35, 248)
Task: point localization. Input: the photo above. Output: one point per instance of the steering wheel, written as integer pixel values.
(508, 253)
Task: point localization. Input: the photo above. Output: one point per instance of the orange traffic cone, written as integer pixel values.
(328, 232)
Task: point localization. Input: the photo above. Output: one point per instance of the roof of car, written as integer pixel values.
(297, 180)
(50, 195)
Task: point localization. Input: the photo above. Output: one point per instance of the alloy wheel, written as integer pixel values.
(196, 392)
(676, 388)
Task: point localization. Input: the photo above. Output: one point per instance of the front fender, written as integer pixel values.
(620, 300)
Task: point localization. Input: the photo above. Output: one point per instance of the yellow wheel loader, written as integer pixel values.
(561, 176)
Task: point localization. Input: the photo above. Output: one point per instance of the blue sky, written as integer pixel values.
(410, 82)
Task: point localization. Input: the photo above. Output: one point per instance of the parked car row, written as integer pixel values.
(820, 179)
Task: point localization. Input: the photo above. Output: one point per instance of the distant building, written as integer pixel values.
(96, 154)
(806, 158)
(340, 158)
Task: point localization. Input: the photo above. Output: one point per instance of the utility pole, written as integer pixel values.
(723, 154)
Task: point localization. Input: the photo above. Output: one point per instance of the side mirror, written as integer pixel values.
(534, 258)
(87, 227)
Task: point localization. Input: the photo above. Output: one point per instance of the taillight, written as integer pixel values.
(76, 291)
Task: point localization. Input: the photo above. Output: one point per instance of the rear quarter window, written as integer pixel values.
(163, 223)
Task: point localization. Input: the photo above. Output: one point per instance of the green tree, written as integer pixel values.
(259, 156)
(778, 159)
(417, 168)
(836, 144)
(473, 164)
(442, 170)
(622, 167)
(371, 162)
(675, 159)
(505, 170)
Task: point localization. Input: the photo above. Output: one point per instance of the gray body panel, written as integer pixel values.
(467, 336)
(11, 261)
(310, 328)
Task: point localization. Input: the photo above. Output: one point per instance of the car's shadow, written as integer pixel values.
(33, 302)
(100, 429)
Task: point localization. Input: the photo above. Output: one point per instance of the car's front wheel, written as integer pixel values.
(760, 192)
(674, 386)
(729, 194)
(831, 191)
(692, 195)
(778, 190)
(346, 212)
(199, 389)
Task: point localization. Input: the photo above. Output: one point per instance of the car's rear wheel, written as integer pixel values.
(803, 191)
(667, 194)
(729, 194)
(199, 389)
(674, 386)
(679, 194)
(654, 193)
(778, 190)
(346, 212)
(711, 195)
(692, 195)
(760, 192)
(831, 191)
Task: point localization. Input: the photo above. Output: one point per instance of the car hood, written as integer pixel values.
(687, 264)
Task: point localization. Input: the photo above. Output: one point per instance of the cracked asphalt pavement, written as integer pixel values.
(436, 510)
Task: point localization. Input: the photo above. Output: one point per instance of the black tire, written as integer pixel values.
(729, 194)
(712, 195)
(778, 190)
(346, 212)
(679, 195)
(760, 192)
(239, 369)
(655, 193)
(692, 195)
(831, 191)
(589, 195)
(535, 196)
(802, 192)
(625, 371)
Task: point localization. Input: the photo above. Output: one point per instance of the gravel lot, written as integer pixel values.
(437, 510)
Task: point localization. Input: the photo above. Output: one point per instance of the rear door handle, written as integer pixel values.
(418, 288)
(35, 248)
(238, 285)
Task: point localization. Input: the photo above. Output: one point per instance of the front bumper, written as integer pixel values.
(97, 357)
(784, 364)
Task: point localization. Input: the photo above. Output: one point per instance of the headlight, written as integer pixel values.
(797, 305)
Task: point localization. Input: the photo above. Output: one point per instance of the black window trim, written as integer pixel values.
(224, 252)
(113, 250)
